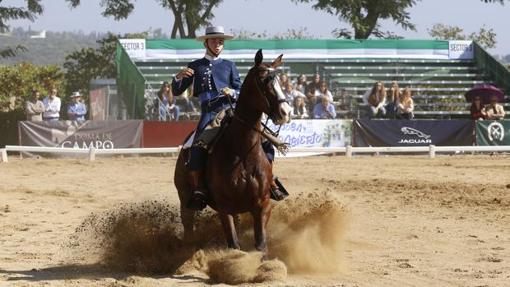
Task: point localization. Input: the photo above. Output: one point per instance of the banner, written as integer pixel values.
(412, 133)
(493, 132)
(84, 135)
(316, 133)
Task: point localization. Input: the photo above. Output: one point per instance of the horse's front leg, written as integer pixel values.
(260, 220)
(227, 221)
(188, 222)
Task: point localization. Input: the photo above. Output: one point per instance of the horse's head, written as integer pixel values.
(272, 100)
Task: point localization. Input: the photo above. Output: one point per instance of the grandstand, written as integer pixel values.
(438, 72)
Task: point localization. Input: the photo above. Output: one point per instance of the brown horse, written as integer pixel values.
(238, 173)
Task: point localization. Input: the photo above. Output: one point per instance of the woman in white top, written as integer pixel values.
(299, 107)
(323, 91)
(405, 106)
(375, 98)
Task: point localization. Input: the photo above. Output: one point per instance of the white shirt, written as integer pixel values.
(51, 107)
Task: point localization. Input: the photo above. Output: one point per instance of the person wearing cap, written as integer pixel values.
(34, 108)
(76, 110)
(51, 106)
(216, 83)
(324, 109)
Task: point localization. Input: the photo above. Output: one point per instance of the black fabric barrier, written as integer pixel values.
(84, 135)
(412, 133)
(493, 132)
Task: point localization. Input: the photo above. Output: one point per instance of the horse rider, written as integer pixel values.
(216, 83)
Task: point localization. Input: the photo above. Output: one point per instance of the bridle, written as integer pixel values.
(260, 83)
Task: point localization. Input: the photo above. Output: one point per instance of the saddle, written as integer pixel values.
(211, 132)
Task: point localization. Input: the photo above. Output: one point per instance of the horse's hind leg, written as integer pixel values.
(260, 220)
(227, 221)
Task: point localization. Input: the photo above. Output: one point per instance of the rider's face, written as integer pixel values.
(215, 44)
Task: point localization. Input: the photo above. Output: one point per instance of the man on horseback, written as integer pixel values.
(216, 83)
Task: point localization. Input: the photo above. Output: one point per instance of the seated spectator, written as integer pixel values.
(405, 106)
(168, 110)
(76, 110)
(323, 91)
(494, 111)
(310, 91)
(392, 98)
(476, 109)
(284, 79)
(34, 108)
(301, 83)
(375, 98)
(299, 107)
(291, 93)
(51, 106)
(324, 109)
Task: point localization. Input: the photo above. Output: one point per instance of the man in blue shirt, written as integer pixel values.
(216, 83)
(324, 109)
(76, 110)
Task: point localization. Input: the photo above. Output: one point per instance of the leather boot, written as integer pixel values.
(198, 200)
(277, 191)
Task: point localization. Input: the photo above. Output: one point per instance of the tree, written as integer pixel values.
(33, 8)
(485, 37)
(189, 15)
(87, 64)
(364, 15)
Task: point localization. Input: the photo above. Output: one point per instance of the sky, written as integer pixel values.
(272, 17)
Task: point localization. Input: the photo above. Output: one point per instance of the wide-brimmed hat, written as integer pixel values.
(214, 32)
(76, 95)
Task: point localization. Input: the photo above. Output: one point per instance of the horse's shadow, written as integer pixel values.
(91, 271)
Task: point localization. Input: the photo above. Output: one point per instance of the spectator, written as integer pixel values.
(323, 91)
(51, 106)
(476, 109)
(168, 110)
(288, 91)
(375, 98)
(393, 97)
(324, 109)
(34, 108)
(299, 108)
(310, 90)
(494, 111)
(301, 83)
(76, 110)
(284, 79)
(405, 106)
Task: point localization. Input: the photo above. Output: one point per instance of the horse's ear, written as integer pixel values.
(277, 62)
(258, 57)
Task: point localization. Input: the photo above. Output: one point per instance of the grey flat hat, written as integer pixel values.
(214, 32)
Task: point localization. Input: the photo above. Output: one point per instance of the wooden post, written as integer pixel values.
(432, 151)
(92, 154)
(348, 151)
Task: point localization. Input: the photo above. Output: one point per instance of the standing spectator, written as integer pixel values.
(494, 111)
(34, 107)
(324, 109)
(476, 109)
(312, 87)
(375, 98)
(393, 96)
(51, 106)
(301, 83)
(405, 106)
(76, 110)
(323, 91)
(168, 110)
(299, 107)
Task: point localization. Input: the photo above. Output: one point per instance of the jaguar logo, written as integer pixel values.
(496, 131)
(411, 131)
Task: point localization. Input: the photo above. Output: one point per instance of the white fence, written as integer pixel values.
(349, 151)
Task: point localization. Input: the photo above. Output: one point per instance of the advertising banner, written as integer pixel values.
(493, 132)
(83, 135)
(316, 133)
(412, 133)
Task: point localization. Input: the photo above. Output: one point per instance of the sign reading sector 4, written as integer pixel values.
(134, 47)
(462, 50)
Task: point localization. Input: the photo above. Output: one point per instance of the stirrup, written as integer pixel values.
(279, 192)
(198, 201)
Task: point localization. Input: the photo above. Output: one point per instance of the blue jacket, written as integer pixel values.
(209, 78)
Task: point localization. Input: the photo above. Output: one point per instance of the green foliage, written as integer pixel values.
(17, 81)
(485, 37)
(364, 15)
(189, 15)
(33, 7)
(87, 64)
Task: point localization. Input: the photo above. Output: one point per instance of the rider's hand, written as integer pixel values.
(228, 91)
(185, 73)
